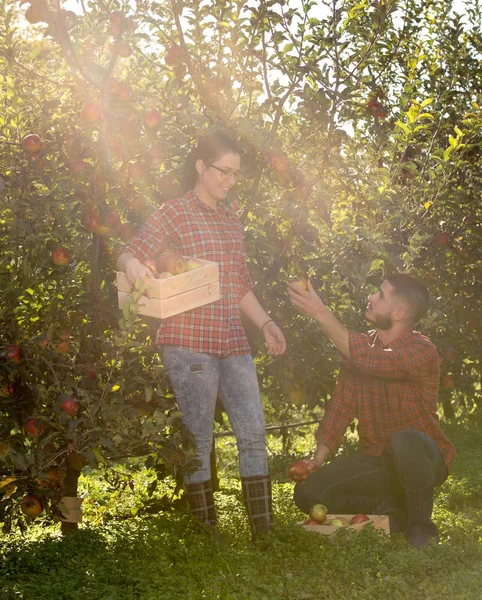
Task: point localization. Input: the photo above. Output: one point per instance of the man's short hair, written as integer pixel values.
(413, 291)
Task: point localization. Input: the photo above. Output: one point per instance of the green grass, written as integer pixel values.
(167, 556)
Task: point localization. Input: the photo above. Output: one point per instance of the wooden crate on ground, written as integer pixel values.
(378, 521)
(175, 294)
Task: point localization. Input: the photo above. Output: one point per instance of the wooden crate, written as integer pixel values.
(176, 294)
(378, 521)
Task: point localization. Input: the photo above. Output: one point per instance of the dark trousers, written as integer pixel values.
(361, 483)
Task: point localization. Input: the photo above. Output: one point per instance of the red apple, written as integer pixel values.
(448, 382)
(318, 513)
(60, 256)
(175, 55)
(442, 238)
(37, 12)
(359, 518)
(278, 162)
(377, 109)
(31, 143)
(33, 428)
(112, 219)
(123, 49)
(310, 522)
(77, 166)
(70, 406)
(152, 117)
(13, 353)
(234, 205)
(31, 505)
(298, 471)
(91, 111)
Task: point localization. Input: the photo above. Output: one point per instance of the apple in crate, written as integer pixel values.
(340, 522)
(359, 518)
(310, 522)
(298, 471)
(318, 512)
(193, 263)
(150, 263)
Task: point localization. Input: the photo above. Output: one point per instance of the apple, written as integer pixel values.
(70, 406)
(13, 353)
(234, 206)
(339, 522)
(90, 111)
(359, 518)
(468, 219)
(60, 256)
(112, 219)
(8, 390)
(76, 460)
(174, 263)
(300, 283)
(193, 263)
(310, 522)
(297, 395)
(175, 55)
(77, 166)
(377, 109)
(318, 512)
(31, 505)
(53, 476)
(442, 238)
(63, 347)
(152, 117)
(165, 275)
(31, 143)
(298, 471)
(137, 170)
(123, 50)
(278, 162)
(33, 428)
(447, 382)
(37, 12)
(151, 264)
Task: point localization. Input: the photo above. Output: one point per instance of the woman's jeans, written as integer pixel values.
(197, 380)
(364, 483)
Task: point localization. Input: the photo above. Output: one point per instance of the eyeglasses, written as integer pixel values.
(227, 174)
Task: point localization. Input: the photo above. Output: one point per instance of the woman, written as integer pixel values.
(205, 350)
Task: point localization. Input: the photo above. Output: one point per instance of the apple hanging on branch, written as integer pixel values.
(32, 143)
(31, 505)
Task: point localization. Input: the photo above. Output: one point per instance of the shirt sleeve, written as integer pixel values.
(339, 413)
(415, 360)
(156, 234)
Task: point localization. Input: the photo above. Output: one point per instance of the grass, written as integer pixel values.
(118, 555)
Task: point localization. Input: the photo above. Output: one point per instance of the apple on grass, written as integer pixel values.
(298, 471)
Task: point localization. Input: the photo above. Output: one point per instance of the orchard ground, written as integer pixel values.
(122, 551)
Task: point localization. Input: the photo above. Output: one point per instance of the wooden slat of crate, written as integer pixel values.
(378, 521)
(177, 284)
(161, 308)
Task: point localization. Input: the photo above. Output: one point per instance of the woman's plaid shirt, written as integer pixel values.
(193, 228)
(387, 390)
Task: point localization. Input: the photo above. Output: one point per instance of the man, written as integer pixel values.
(388, 381)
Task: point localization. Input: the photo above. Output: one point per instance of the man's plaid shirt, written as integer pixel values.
(387, 390)
(193, 228)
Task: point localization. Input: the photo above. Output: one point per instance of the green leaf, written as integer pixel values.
(403, 127)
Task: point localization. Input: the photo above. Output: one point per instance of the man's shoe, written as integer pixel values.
(419, 535)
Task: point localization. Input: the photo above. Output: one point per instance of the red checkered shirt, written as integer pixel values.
(193, 228)
(387, 389)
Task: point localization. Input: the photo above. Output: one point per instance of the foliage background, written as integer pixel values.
(360, 126)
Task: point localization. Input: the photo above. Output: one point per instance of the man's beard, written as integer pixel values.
(382, 323)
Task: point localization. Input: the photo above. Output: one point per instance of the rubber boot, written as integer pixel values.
(420, 527)
(201, 503)
(258, 501)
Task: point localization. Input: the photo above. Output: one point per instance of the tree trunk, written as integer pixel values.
(71, 480)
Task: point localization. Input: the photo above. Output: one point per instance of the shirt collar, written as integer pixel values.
(196, 203)
(394, 343)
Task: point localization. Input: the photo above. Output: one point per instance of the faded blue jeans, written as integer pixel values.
(197, 379)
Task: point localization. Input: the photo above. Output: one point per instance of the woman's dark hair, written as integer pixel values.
(209, 148)
(413, 291)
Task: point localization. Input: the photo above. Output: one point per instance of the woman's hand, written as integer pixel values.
(274, 338)
(136, 270)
